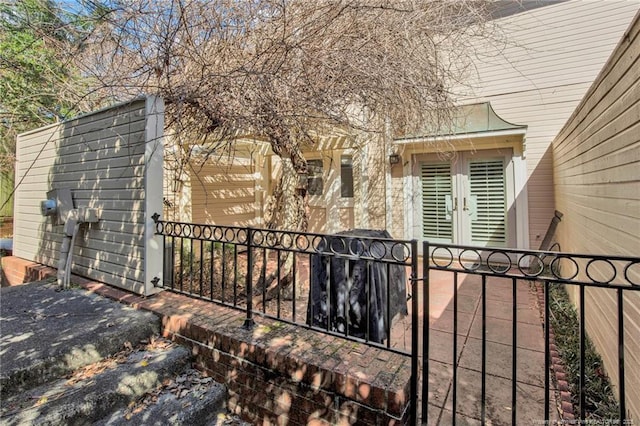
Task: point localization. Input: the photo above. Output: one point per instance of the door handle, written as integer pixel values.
(464, 204)
(455, 203)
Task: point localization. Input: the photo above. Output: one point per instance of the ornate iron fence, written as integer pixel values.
(336, 283)
(349, 285)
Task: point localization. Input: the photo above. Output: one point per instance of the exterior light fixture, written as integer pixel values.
(394, 159)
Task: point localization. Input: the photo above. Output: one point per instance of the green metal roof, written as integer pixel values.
(471, 120)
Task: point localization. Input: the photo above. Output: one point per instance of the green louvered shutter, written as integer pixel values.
(487, 202)
(437, 221)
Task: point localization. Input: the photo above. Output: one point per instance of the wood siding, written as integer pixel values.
(537, 75)
(596, 164)
(101, 157)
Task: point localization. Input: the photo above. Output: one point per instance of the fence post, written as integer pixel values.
(414, 332)
(425, 334)
(249, 322)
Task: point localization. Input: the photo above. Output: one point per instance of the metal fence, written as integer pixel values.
(336, 284)
(331, 283)
(577, 273)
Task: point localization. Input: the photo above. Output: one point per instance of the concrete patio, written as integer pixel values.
(499, 362)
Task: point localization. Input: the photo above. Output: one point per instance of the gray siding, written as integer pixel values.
(102, 157)
(596, 160)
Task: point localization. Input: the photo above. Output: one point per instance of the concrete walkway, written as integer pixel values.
(73, 357)
(499, 360)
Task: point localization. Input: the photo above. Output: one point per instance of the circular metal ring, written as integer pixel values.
(286, 240)
(442, 265)
(197, 231)
(241, 234)
(302, 243)
(526, 270)
(606, 262)
(177, 230)
(498, 270)
(357, 247)
(319, 243)
(257, 237)
(271, 239)
(477, 264)
(168, 228)
(626, 272)
(342, 246)
(554, 264)
(229, 235)
(406, 252)
(207, 232)
(217, 233)
(378, 249)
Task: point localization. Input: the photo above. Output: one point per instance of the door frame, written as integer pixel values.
(516, 197)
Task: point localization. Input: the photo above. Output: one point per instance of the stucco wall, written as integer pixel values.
(112, 161)
(596, 163)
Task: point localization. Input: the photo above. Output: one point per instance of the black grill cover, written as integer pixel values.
(349, 300)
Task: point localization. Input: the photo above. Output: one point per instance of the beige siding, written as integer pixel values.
(346, 218)
(176, 192)
(537, 76)
(374, 191)
(596, 160)
(223, 191)
(101, 158)
(329, 212)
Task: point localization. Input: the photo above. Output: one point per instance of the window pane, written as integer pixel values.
(346, 176)
(315, 184)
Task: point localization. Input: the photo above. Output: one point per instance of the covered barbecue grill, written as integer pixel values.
(353, 293)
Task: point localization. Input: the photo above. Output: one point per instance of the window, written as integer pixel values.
(315, 184)
(346, 176)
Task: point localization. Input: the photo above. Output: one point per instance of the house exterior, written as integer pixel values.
(488, 181)
(502, 175)
(596, 166)
(111, 163)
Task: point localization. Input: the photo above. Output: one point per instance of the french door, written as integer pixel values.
(466, 200)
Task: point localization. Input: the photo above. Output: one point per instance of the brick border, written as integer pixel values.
(17, 271)
(558, 369)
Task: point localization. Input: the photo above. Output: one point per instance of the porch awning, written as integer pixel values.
(475, 120)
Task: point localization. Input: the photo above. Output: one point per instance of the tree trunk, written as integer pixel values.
(286, 209)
